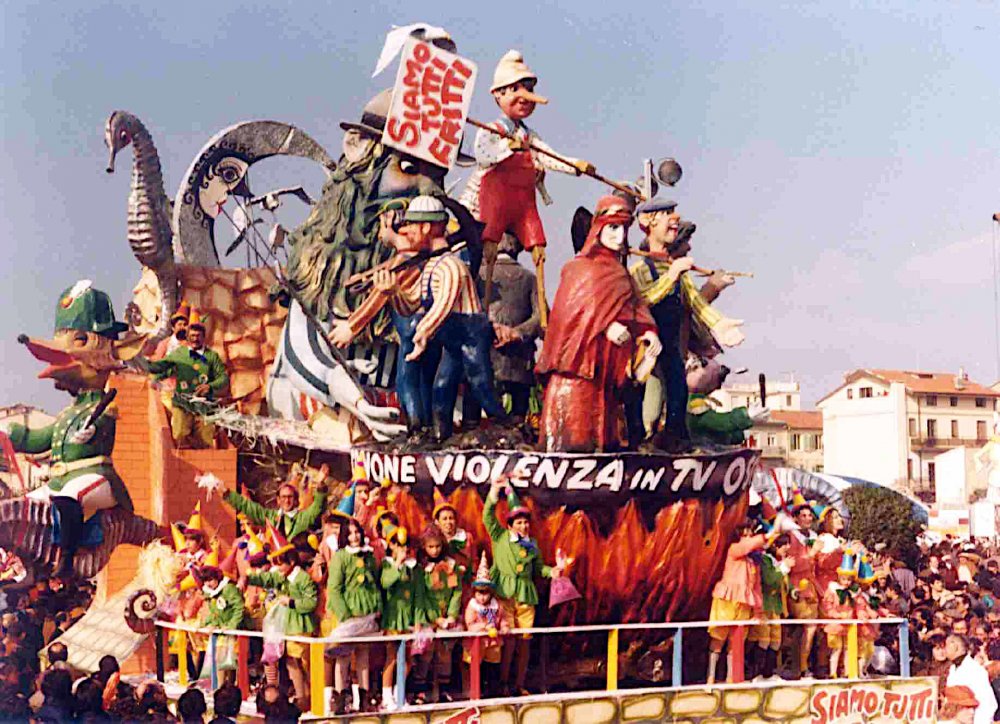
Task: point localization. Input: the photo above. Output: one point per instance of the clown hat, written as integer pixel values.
(345, 508)
(253, 544)
(358, 474)
(441, 503)
(196, 320)
(866, 574)
(382, 514)
(183, 312)
(396, 534)
(797, 497)
(177, 537)
(277, 542)
(515, 508)
(228, 564)
(483, 579)
(194, 522)
(848, 564)
(820, 510)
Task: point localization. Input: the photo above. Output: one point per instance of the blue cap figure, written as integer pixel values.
(866, 574)
(654, 205)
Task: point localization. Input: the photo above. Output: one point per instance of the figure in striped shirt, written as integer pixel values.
(451, 316)
(401, 291)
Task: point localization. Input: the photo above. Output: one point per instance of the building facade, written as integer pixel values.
(889, 426)
(780, 395)
(791, 438)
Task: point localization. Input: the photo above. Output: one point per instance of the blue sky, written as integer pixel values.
(846, 153)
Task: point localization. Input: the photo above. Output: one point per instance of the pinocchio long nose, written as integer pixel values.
(532, 97)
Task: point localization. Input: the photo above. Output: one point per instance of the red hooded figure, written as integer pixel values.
(584, 371)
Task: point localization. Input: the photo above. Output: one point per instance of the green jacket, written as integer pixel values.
(190, 369)
(352, 587)
(725, 428)
(225, 608)
(55, 437)
(514, 565)
(406, 602)
(774, 586)
(444, 600)
(290, 526)
(301, 589)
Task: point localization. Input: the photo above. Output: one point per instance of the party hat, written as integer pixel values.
(358, 474)
(395, 534)
(483, 579)
(848, 564)
(253, 543)
(515, 507)
(194, 522)
(441, 503)
(345, 508)
(866, 574)
(228, 564)
(276, 541)
(177, 537)
(797, 497)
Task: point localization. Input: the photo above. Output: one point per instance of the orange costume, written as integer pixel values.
(737, 594)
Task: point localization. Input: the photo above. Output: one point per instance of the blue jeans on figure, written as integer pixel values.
(414, 379)
(466, 341)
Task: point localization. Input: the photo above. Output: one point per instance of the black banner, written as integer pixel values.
(578, 480)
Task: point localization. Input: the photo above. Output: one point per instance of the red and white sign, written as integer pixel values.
(861, 703)
(430, 103)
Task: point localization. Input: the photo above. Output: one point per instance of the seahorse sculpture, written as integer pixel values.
(149, 232)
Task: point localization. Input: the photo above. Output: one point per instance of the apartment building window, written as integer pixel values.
(864, 392)
(850, 394)
(954, 428)
(772, 441)
(931, 477)
(980, 429)
(909, 468)
(953, 401)
(788, 400)
(980, 402)
(795, 441)
(932, 400)
(913, 427)
(932, 428)
(819, 446)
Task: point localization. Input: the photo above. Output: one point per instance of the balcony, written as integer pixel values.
(773, 452)
(944, 443)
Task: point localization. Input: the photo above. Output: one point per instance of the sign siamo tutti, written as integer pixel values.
(560, 478)
(863, 703)
(430, 102)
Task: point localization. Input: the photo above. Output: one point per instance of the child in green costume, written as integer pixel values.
(405, 602)
(354, 597)
(443, 574)
(297, 597)
(224, 610)
(516, 561)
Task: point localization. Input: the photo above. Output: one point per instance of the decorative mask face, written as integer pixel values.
(222, 179)
(518, 101)
(613, 237)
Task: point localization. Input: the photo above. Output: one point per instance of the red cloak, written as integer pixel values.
(585, 372)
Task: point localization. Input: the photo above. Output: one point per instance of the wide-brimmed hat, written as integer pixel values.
(374, 117)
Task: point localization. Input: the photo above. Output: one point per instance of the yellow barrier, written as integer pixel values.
(613, 660)
(182, 658)
(852, 651)
(317, 679)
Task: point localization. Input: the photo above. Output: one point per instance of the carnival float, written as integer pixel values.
(395, 338)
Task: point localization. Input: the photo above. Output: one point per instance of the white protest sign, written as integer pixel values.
(430, 103)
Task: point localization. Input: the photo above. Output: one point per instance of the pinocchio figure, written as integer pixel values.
(502, 188)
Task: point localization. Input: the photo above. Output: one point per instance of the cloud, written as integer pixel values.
(964, 262)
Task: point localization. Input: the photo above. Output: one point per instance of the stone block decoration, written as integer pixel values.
(907, 701)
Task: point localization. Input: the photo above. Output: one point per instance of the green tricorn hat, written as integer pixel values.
(87, 309)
